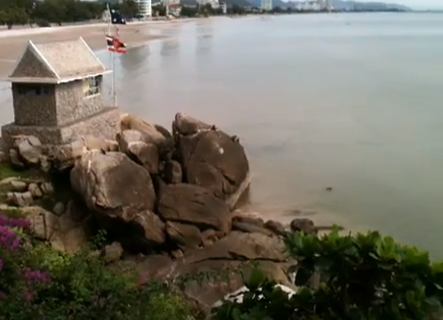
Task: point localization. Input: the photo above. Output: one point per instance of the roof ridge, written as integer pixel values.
(42, 58)
(91, 51)
(64, 61)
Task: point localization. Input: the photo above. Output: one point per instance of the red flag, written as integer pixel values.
(115, 45)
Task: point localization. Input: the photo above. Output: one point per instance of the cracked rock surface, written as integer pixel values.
(211, 158)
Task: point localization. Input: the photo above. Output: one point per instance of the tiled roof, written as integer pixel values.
(57, 62)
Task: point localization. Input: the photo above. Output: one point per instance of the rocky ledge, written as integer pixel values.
(167, 200)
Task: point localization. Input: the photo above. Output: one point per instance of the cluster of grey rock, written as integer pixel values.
(170, 196)
(23, 192)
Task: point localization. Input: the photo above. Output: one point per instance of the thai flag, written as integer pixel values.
(115, 45)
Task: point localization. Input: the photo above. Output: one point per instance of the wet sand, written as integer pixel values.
(132, 34)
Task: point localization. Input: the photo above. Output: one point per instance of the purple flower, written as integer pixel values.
(8, 239)
(3, 220)
(20, 223)
(14, 222)
(37, 276)
(28, 295)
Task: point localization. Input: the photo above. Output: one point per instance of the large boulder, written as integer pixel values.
(195, 205)
(64, 156)
(305, 225)
(243, 246)
(67, 233)
(226, 277)
(145, 153)
(29, 148)
(211, 158)
(152, 133)
(184, 235)
(221, 264)
(173, 172)
(143, 234)
(113, 185)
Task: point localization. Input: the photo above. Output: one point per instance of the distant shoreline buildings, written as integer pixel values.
(266, 5)
(174, 6)
(213, 3)
(319, 5)
(145, 7)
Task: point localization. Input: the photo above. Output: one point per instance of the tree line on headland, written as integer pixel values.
(46, 12)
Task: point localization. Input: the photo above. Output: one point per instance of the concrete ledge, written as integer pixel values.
(104, 124)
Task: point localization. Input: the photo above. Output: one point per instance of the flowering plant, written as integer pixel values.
(38, 283)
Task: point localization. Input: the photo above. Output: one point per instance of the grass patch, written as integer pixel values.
(7, 171)
(13, 212)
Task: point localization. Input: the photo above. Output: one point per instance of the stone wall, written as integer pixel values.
(72, 105)
(35, 109)
(103, 124)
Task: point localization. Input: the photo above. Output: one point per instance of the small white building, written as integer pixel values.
(145, 8)
(213, 3)
(224, 7)
(266, 5)
(309, 6)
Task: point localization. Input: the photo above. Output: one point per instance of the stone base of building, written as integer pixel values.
(105, 124)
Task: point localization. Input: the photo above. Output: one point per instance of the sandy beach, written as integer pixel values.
(14, 41)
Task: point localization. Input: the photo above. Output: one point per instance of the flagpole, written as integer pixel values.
(114, 96)
(113, 79)
(109, 20)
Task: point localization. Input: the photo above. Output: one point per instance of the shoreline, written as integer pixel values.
(134, 35)
(26, 30)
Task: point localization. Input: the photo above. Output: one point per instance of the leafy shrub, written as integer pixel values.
(361, 277)
(42, 23)
(38, 283)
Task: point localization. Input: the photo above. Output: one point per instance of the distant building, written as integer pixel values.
(175, 9)
(224, 7)
(310, 6)
(56, 92)
(213, 3)
(266, 5)
(145, 8)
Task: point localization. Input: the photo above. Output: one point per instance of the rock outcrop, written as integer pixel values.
(139, 149)
(112, 184)
(166, 200)
(151, 133)
(196, 205)
(68, 232)
(211, 158)
(221, 264)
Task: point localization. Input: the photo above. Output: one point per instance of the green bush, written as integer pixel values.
(361, 277)
(38, 283)
(42, 23)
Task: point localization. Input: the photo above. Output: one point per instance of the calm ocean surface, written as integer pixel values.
(349, 101)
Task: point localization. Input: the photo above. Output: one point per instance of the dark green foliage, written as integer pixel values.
(203, 10)
(361, 277)
(189, 11)
(38, 283)
(129, 9)
(235, 9)
(45, 12)
(42, 23)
